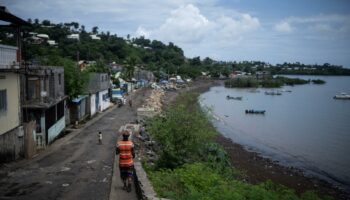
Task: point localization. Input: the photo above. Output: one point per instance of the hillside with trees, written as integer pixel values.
(151, 54)
(65, 44)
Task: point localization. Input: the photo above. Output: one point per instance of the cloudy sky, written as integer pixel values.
(308, 31)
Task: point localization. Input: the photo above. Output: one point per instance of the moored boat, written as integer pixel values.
(343, 95)
(273, 93)
(255, 111)
(234, 98)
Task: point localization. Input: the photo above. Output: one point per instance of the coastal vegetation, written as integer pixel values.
(292, 81)
(192, 166)
(318, 81)
(249, 82)
(295, 68)
(242, 82)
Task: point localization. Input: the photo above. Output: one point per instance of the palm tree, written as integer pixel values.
(130, 67)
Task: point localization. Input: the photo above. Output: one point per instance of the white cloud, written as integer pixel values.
(319, 18)
(321, 27)
(187, 26)
(283, 27)
(318, 23)
(142, 32)
(235, 27)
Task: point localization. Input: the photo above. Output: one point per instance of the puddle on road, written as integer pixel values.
(64, 169)
(90, 161)
(65, 184)
(104, 180)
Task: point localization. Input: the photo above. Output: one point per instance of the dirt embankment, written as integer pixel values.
(256, 168)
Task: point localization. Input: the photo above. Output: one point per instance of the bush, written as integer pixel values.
(182, 131)
(292, 81)
(200, 181)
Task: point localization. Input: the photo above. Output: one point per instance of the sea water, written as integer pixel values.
(304, 128)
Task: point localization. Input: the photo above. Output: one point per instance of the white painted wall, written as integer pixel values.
(104, 104)
(10, 118)
(93, 104)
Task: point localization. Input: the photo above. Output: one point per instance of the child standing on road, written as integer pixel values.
(100, 137)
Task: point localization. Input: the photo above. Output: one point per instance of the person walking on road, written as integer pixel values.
(125, 149)
(130, 103)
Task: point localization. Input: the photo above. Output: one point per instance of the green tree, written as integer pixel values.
(129, 67)
(95, 30)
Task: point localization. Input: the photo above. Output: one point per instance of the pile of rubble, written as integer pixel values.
(153, 105)
(155, 100)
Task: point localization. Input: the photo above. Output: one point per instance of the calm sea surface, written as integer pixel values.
(305, 128)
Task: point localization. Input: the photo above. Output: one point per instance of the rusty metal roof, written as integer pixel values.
(6, 16)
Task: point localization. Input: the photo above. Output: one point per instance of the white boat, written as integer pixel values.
(342, 95)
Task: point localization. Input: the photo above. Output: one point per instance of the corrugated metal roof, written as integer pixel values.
(79, 98)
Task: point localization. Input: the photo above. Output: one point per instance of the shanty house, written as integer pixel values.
(45, 101)
(98, 90)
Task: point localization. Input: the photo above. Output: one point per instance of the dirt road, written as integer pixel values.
(74, 167)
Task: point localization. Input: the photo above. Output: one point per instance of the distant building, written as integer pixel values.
(96, 99)
(115, 67)
(145, 75)
(237, 74)
(95, 37)
(51, 42)
(73, 36)
(99, 85)
(84, 64)
(263, 75)
(43, 36)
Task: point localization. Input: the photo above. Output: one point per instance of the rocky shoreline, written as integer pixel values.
(257, 169)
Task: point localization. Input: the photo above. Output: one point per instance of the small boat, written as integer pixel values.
(342, 95)
(273, 93)
(255, 111)
(286, 90)
(228, 97)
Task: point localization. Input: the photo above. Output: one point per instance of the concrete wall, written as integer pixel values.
(11, 145)
(98, 82)
(10, 119)
(59, 81)
(50, 80)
